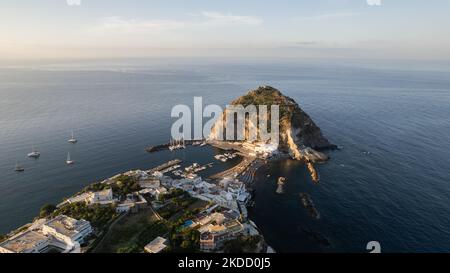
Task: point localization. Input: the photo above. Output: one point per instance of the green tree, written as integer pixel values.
(46, 210)
(96, 214)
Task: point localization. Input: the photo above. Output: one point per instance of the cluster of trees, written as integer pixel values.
(188, 214)
(179, 203)
(47, 210)
(267, 98)
(96, 214)
(180, 200)
(187, 240)
(125, 185)
(98, 186)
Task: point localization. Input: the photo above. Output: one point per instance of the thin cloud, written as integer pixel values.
(210, 18)
(328, 16)
(222, 18)
(125, 24)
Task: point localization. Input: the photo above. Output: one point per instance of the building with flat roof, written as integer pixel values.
(214, 236)
(150, 183)
(156, 246)
(104, 197)
(61, 234)
(25, 242)
(68, 230)
(133, 203)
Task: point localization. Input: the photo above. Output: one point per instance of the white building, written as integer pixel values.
(62, 233)
(25, 242)
(156, 246)
(124, 207)
(150, 183)
(104, 197)
(214, 235)
(266, 150)
(155, 192)
(134, 202)
(67, 230)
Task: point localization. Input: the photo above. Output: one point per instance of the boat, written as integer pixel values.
(177, 144)
(72, 140)
(34, 153)
(69, 161)
(18, 168)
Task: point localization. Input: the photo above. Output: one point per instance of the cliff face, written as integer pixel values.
(298, 134)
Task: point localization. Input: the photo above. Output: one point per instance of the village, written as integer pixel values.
(180, 210)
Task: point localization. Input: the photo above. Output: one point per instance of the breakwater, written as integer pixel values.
(166, 146)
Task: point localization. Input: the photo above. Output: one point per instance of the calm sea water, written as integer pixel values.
(388, 183)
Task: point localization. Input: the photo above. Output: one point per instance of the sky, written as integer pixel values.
(400, 29)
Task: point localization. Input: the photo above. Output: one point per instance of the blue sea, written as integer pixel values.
(389, 182)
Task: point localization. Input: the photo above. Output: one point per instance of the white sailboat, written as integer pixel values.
(171, 145)
(72, 140)
(18, 168)
(34, 153)
(69, 161)
(177, 144)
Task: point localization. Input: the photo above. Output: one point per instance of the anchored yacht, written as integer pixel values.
(18, 168)
(69, 161)
(72, 140)
(34, 153)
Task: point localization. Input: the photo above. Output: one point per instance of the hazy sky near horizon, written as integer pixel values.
(411, 29)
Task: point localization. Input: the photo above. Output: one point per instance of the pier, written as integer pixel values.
(165, 166)
(167, 146)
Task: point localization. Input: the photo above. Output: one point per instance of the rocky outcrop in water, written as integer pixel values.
(298, 134)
